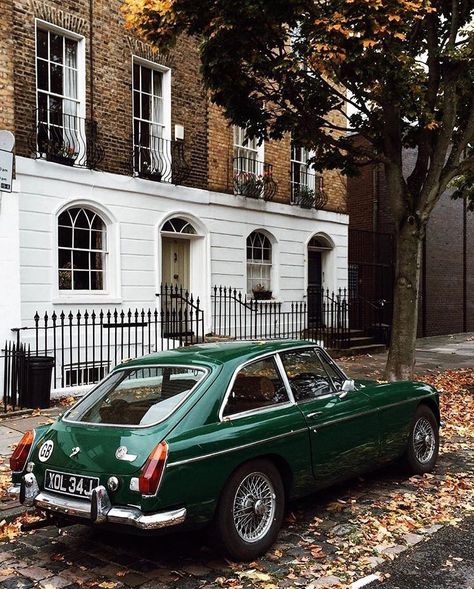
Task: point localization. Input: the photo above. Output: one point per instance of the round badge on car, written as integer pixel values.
(121, 452)
(45, 451)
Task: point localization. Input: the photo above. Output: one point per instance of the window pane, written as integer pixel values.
(56, 48)
(335, 376)
(146, 111)
(64, 259)
(96, 260)
(56, 72)
(136, 76)
(137, 397)
(97, 281)
(307, 377)
(80, 260)
(81, 280)
(257, 385)
(146, 79)
(81, 239)
(157, 83)
(64, 237)
(136, 104)
(42, 69)
(71, 53)
(42, 43)
(65, 280)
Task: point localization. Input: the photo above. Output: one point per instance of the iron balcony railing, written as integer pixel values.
(66, 139)
(253, 178)
(158, 159)
(306, 187)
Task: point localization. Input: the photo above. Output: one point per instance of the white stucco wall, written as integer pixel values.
(136, 209)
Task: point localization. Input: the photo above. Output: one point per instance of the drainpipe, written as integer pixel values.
(91, 57)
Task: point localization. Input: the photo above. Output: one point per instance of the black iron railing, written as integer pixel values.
(253, 179)
(15, 374)
(86, 345)
(161, 160)
(66, 139)
(306, 188)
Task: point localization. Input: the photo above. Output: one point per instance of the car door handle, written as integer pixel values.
(314, 414)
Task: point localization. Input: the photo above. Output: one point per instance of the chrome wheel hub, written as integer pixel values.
(424, 440)
(254, 507)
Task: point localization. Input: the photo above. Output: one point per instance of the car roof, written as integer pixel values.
(217, 353)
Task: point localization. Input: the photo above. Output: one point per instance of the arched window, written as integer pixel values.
(178, 225)
(82, 250)
(259, 262)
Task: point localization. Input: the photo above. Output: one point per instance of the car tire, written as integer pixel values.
(250, 510)
(423, 442)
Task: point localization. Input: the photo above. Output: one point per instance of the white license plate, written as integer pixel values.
(69, 484)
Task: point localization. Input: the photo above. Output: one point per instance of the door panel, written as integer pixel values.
(175, 262)
(314, 287)
(344, 431)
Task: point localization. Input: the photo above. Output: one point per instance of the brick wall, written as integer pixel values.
(277, 153)
(7, 116)
(109, 79)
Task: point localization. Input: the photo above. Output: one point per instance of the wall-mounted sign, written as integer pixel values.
(6, 171)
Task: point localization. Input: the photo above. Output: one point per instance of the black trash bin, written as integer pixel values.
(37, 393)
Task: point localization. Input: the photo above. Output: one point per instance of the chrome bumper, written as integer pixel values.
(99, 509)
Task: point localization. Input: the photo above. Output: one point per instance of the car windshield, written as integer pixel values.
(137, 397)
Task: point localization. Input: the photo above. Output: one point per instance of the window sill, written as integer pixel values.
(86, 299)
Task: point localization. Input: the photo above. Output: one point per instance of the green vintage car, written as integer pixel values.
(220, 434)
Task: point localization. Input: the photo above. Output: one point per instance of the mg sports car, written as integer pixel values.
(221, 434)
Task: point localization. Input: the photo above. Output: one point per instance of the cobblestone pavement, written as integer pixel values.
(309, 551)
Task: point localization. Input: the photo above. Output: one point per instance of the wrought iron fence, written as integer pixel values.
(15, 374)
(253, 178)
(158, 159)
(86, 345)
(66, 139)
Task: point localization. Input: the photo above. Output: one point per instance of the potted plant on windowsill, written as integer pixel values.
(260, 293)
(306, 197)
(149, 173)
(63, 154)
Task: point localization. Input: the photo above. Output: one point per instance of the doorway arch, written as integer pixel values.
(319, 275)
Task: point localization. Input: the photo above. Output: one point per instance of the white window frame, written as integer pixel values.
(166, 97)
(81, 67)
(261, 264)
(112, 286)
(311, 176)
(246, 148)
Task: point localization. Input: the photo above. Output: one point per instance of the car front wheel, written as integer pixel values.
(423, 444)
(251, 510)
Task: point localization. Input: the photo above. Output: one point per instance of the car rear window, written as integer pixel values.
(137, 397)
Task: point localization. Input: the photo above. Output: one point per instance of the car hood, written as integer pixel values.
(93, 449)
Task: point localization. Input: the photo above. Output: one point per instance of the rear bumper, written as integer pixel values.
(98, 510)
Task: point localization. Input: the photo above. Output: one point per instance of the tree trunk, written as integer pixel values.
(401, 357)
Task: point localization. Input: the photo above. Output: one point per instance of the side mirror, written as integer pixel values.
(347, 387)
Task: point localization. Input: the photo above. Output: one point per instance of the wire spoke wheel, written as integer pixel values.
(424, 440)
(254, 507)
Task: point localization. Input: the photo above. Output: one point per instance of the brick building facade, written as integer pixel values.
(446, 303)
(127, 177)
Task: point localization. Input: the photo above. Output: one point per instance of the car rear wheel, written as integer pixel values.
(250, 510)
(423, 444)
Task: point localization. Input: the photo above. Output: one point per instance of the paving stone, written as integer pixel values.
(56, 582)
(196, 570)
(143, 566)
(412, 539)
(124, 559)
(17, 583)
(394, 549)
(430, 529)
(329, 581)
(343, 530)
(36, 573)
(35, 540)
(133, 579)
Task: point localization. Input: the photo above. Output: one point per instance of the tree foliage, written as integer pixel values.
(400, 73)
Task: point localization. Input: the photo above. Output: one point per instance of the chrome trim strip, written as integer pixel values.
(284, 377)
(258, 410)
(235, 448)
(203, 368)
(374, 410)
(118, 515)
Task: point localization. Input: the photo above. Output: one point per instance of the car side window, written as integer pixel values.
(307, 377)
(256, 385)
(335, 376)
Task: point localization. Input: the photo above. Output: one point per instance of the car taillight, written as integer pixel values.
(20, 454)
(152, 472)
